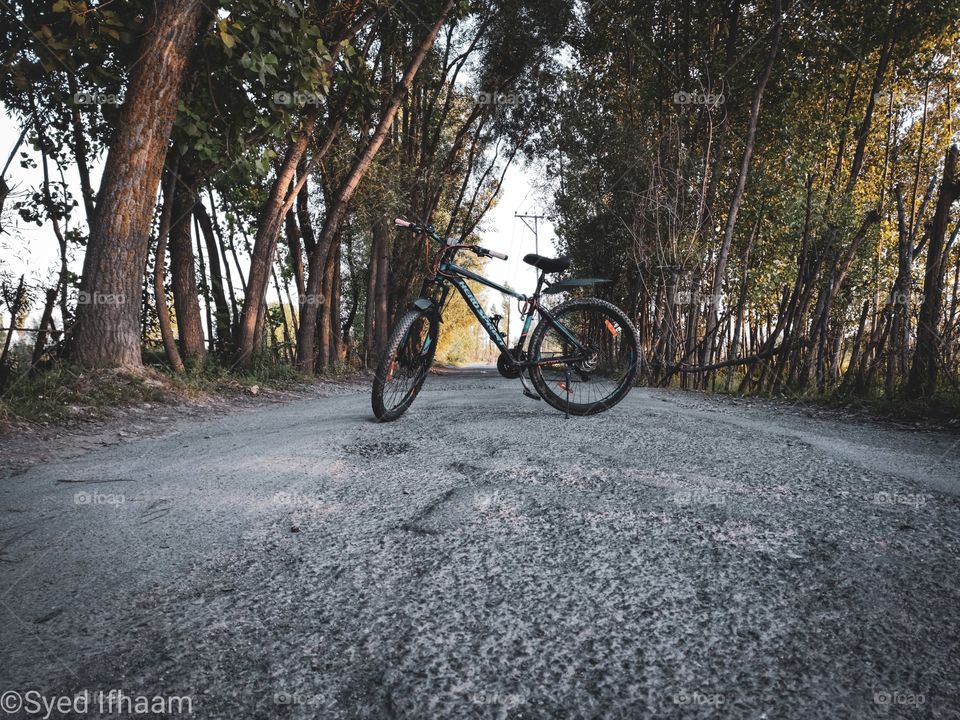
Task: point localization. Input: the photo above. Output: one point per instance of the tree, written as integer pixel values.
(107, 330)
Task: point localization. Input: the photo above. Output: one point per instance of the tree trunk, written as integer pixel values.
(15, 308)
(159, 268)
(265, 242)
(184, 277)
(228, 275)
(720, 269)
(80, 153)
(338, 207)
(45, 320)
(296, 252)
(216, 277)
(923, 372)
(204, 284)
(381, 306)
(109, 333)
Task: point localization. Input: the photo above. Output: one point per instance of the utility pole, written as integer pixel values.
(533, 228)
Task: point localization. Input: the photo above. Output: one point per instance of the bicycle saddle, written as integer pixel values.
(550, 265)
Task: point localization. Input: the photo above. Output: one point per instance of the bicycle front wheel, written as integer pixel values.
(589, 363)
(404, 365)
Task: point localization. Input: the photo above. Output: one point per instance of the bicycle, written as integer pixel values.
(586, 348)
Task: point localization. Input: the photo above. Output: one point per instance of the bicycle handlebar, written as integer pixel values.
(481, 251)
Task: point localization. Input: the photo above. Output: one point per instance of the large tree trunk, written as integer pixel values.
(338, 207)
(108, 333)
(923, 372)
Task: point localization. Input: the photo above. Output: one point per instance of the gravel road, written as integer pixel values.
(678, 556)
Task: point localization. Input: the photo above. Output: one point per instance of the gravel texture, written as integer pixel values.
(484, 556)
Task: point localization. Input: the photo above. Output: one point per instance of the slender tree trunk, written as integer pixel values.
(45, 321)
(216, 277)
(204, 284)
(265, 242)
(338, 208)
(15, 308)
(720, 269)
(923, 372)
(80, 152)
(228, 274)
(184, 276)
(296, 252)
(109, 333)
(381, 309)
(159, 268)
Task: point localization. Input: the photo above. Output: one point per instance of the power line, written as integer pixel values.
(533, 228)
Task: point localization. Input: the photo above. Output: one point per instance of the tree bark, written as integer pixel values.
(381, 307)
(186, 299)
(216, 277)
(45, 320)
(159, 268)
(923, 372)
(109, 333)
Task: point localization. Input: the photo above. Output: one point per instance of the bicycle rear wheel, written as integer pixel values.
(601, 375)
(404, 365)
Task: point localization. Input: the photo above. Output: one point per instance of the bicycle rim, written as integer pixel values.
(408, 364)
(598, 377)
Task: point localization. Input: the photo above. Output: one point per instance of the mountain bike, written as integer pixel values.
(581, 358)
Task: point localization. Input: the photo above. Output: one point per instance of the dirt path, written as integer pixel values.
(486, 557)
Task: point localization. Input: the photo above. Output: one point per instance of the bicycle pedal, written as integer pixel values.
(531, 395)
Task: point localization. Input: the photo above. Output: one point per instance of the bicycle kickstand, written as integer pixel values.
(569, 389)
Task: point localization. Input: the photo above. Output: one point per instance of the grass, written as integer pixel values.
(941, 408)
(64, 392)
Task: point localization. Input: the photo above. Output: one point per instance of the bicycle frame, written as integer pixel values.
(457, 276)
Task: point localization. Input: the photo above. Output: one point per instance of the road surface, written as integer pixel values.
(678, 556)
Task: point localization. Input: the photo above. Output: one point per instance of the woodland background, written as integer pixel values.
(771, 186)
